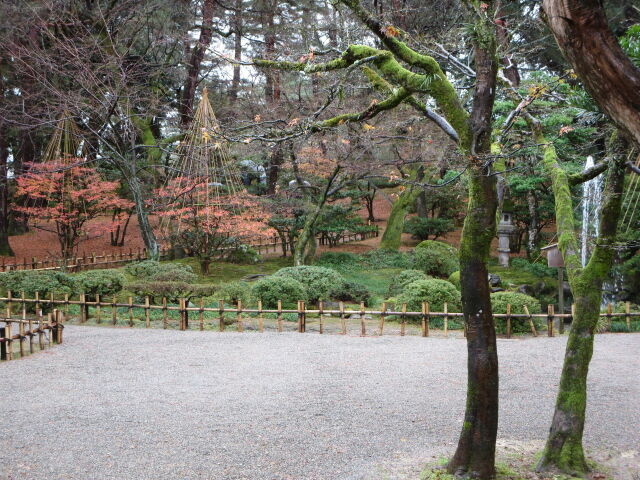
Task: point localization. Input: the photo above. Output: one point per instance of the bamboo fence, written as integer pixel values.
(106, 260)
(48, 330)
(186, 315)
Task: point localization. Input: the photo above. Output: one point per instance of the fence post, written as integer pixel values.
(627, 316)
(279, 319)
(21, 338)
(363, 325)
(550, 315)
(59, 325)
(3, 345)
(446, 319)
(98, 309)
(260, 319)
(66, 304)
(221, 315)
(239, 324)
(403, 320)
(147, 312)
(382, 315)
(83, 306)
(301, 317)
(41, 333)
(530, 319)
(53, 327)
(609, 315)
(201, 314)
(131, 311)
(114, 311)
(9, 342)
(165, 314)
(50, 328)
(9, 303)
(30, 336)
(508, 320)
(320, 317)
(425, 319)
(343, 321)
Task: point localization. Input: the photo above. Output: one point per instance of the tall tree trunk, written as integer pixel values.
(392, 236)
(237, 50)
(5, 247)
(475, 454)
(563, 450)
(532, 240)
(197, 55)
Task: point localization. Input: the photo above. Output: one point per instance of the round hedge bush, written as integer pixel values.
(235, 291)
(434, 291)
(404, 278)
(351, 292)
(149, 270)
(436, 258)
(499, 301)
(279, 287)
(319, 282)
(455, 279)
(100, 282)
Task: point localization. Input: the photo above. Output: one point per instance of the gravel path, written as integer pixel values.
(135, 404)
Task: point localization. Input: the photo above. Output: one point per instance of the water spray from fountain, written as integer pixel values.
(591, 201)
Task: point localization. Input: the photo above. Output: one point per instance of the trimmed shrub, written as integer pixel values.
(100, 282)
(172, 290)
(382, 258)
(318, 282)
(432, 290)
(44, 282)
(351, 292)
(243, 254)
(338, 260)
(234, 292)
(143, 269)
(455, 279)
(436, 258)
(536, 268)
(163, 272)
(423, 228)
(279, 287)
(404, 278)
(499, 301)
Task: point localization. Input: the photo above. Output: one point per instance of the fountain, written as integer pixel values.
(591, 200)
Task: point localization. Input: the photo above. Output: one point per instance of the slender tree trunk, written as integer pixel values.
(532, 240)
(5, 247)
(148, 236)
(475, 454)
(392, 236)
(197, 55)
(237, 50)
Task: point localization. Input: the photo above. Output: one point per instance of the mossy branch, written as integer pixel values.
(588, 174)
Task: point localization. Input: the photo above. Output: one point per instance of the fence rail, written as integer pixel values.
(29, 328)
(93, 260)
(321, 319)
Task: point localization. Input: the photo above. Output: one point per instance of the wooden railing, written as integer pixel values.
(47, 329)
(335, 319)
(106, 260)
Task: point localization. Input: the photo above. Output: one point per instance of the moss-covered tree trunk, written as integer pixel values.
(563, 450)
(392, 236)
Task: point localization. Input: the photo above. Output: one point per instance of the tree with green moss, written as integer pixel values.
(410, 72)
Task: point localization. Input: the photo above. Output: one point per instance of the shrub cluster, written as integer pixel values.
(423, 228)
(404, 278)
(499, 301)
(454, 278)
(100, 282)
(351, 291)
(535, 268)
(387, 259)
(44, 282)
(279, 287)
(436, 258)
(432, 290)
(319, 282)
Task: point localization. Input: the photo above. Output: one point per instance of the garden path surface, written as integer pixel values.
(133, 404)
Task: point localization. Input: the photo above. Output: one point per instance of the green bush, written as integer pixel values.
(279, 287)
(455, 279)
(163, 272)
(338, 260)
(172, 290)
(100, 282)
(432, 290)
(404, 278)
(243, 254)
(436, 258)
(538, 269)
(318, 282)
(499, 301)
(44, 282)
(351, 292)
(382, 258)
(423, 228)
(235, 291)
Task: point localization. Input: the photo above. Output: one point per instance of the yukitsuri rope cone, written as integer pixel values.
(203, 205)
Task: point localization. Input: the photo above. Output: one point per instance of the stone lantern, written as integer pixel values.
(505, 229)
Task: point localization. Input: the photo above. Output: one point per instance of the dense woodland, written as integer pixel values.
(208, 125)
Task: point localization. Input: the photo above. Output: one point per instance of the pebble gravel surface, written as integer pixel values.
(115, 403)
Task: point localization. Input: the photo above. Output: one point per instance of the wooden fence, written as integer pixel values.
(336, 319)
(47, 329)
(107, 260)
